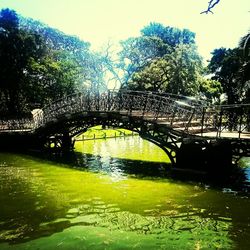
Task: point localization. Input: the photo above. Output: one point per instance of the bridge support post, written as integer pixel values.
(219, 156)
(214, 157)
(191, 155)
(67, 144)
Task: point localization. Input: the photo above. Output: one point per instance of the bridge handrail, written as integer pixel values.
(168, 96)
(19, 125)
(156, 107)
(57, 107)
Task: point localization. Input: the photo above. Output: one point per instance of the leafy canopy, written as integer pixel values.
(163, 59)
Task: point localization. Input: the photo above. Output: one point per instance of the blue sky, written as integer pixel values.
(98, 21)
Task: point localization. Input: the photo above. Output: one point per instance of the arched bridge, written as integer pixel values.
(181, 126)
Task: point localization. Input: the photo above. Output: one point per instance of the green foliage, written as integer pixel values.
(55, 39)
(139, 50)
(176, 72)
(210, 89)
(16, 49)
(89, 65)
(169, 35)
(185, 69)
(50, 78)
(40, 64)
(229, 69)
(153, 77)
(8, 20)
(163, 59)
(245, 46)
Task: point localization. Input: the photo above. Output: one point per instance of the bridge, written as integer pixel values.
(185, 128)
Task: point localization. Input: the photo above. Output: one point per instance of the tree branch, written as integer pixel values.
(211, 5)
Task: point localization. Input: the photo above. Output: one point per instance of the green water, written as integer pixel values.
(114, 197)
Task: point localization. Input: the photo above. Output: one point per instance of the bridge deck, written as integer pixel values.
(244, 135)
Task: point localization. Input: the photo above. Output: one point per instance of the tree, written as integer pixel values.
(55, 39)
(226, 65)
(163, 59)
(156, 42)
(154, 77)
(50, 78)
(138, 52)
(211, 90)
(231, 67)
(89, 64)
(37, 68)
(177, 72)
(186, 67)
(169, 35)
(16, 49)
(244, 45)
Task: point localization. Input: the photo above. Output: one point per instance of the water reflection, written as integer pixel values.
(136, 157)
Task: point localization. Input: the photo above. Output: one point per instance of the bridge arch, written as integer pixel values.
(174, 123)
(62, 131)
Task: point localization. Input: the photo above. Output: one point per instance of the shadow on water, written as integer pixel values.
(110, 165)
(234, 177)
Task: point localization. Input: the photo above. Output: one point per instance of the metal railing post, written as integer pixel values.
(88, 100)
(202, 120)
(145, 106)
(97, 101)
(241, 118)
(158, 110)
(220, 123)
(189, 120)
(131, 105)
(109, 104)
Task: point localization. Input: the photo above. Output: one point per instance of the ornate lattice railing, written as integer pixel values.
(177, 112)
(227, 119)
(16, 125)
(145, 104)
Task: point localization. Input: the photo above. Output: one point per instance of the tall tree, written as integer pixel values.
(89, 64)
(177, 72)
(226, 65)
(138, 52)
(16, 48)
(244, 45)
(49, 78)
(161, 59)
(169, 35)
(40, 64)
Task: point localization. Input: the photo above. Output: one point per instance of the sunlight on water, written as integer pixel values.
(47, 205)
(127, 148)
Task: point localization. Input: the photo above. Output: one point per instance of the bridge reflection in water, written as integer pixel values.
(181, 126)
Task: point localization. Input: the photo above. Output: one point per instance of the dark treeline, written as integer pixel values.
(39, 64)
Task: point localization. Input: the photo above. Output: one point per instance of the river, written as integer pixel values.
(114, 194)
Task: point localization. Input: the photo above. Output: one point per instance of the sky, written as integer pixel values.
(100, 21)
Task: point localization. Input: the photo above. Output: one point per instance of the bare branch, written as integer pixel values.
(211, 5)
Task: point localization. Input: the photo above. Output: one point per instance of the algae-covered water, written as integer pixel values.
(114, 196)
